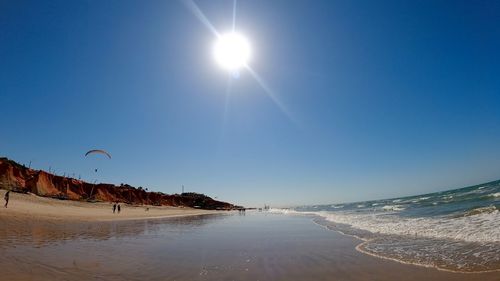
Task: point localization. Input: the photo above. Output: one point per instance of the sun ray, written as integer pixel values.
(272, 95)
(234, 15)
(191, 5)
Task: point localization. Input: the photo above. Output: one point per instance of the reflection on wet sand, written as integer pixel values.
(39, 233)
(257, 246)
(55, 250)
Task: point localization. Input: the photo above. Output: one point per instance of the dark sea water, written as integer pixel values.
(456, 230)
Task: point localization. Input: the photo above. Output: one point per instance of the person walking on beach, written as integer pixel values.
(119, 209)
(114, 208)
(6, 197)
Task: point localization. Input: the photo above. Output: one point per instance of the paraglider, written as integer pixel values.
(96, 151)
(99, 151)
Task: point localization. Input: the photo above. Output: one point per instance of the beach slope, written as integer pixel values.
(22, 206)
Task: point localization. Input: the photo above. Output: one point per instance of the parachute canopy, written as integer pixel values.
(99, 151)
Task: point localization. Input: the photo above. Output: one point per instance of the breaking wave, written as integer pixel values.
(456, 230)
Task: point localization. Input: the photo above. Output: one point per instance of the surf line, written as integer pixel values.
(363, 242)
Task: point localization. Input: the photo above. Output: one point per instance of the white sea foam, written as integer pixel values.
(451, 235)
(393, 208)
(419, 199)
(480, 227)
(443, 254)
(287, 211)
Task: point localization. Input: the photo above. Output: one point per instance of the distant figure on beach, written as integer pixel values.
(114, 208)
(6, 197)
(119, 208)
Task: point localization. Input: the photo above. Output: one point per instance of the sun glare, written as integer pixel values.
(232, 51)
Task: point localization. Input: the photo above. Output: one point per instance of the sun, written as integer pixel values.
(232, 51)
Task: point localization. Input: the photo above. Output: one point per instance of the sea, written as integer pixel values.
(454, 230)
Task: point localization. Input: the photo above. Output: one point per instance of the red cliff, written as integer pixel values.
(19, 178)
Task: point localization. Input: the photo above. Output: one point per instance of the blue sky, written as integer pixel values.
(388, 98)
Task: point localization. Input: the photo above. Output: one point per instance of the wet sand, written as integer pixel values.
(255, 246)
(30, 206)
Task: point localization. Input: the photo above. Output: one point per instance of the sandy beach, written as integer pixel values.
(251, 246)
(250, 140)
(30, 206)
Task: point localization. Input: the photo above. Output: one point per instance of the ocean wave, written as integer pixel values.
(481, 210)
(456, 230)
(442, 254)
(462, 244)
(495, 195)
(416, 200)
(480, 227)
(393, 208)
(287, 211)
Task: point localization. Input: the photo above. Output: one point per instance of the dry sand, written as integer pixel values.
(22, 206)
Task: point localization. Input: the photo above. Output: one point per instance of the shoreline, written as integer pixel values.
(42, 212)
(360, 245)
(31, 206)
(362, 242)
(255, 246)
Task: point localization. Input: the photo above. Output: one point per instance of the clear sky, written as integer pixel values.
(384, 98)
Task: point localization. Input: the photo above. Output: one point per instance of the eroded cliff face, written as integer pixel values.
(19, 178)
